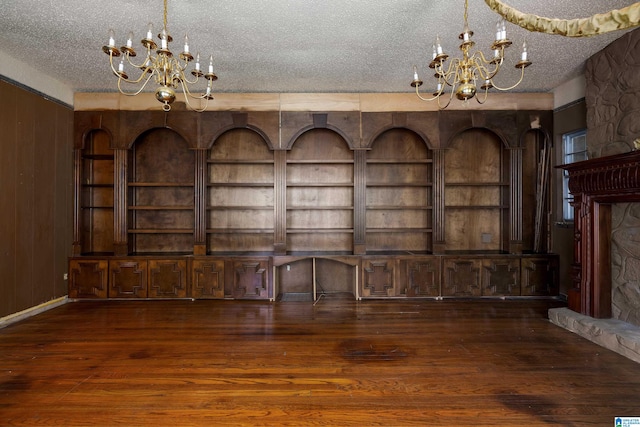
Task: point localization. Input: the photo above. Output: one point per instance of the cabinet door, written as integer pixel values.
(540, 276)
(128, 279)
(207, 279)
(422, 276)
(251, 279)
(167, 278)
(461, 277)
(88, 278)
(501, 277)
(378, 278)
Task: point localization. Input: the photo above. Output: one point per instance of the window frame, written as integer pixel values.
(569, 156)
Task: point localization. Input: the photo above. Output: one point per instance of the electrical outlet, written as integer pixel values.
(65, 276)
(486, 237)
(288, 267)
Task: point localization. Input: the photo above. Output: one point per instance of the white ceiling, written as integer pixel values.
(292, 45)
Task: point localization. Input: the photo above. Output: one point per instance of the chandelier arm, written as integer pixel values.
(445, 76)
(484, 98)
(147, 59)
(483, 71)
(185, 89)
(122, 91)
(186, 79)
(483, 63)
(510, 87)
(126, 80)
(440, 106)
(188, 95)
(427, 99)
(113, 69)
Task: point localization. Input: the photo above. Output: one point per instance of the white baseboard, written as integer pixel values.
(32, 311)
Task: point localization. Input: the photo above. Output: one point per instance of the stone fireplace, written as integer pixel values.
(604, 300)
(625, 263)
(606, 191)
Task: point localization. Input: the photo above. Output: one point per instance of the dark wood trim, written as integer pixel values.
(120, 200)
(200, 202)
(280, 205)
(359, 202)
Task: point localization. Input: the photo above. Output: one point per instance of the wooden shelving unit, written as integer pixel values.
(476, 193)
(210, 206)
(320, 193)
(161, 194)
(399, 177)
(96, 194)
(240, 190)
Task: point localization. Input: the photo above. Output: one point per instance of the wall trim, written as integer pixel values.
(310, 102)
(34, 91)
(32, 311)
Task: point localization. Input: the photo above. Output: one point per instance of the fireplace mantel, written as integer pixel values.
(596, 184)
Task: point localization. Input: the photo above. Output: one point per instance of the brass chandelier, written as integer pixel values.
(168, 71)
(462, 75)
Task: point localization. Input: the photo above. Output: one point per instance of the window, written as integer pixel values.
(574, 149)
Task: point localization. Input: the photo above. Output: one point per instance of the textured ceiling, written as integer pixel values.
(292, 45)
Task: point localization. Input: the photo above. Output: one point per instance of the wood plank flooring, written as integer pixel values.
(338, 363)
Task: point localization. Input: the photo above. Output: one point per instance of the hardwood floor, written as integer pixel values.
(340, 362)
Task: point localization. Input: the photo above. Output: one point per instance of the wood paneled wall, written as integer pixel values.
(36, 198)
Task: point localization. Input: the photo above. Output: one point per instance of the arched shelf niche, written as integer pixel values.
(240, 193)
(160, 211)
(476, 174)
(399, 193)
(320, 193)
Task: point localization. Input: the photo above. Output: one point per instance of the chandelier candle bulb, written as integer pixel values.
(438, 46)
(130, 40)
(197, 67)
(501, 30)
(186, 44)
(164, 39)
(150, 31)
(524, 51)
(112, 41)
(415, 72)
(211, 64)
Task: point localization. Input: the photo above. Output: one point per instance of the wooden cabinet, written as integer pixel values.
(147, 278)
(539, 275)
(401, 276)
(167, 278)
(207, 278)
(88, 278)
(128, 278)
(501, 277)
(251, 278)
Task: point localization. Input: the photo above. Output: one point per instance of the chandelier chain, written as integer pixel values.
(164, 18)
(466, 13)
